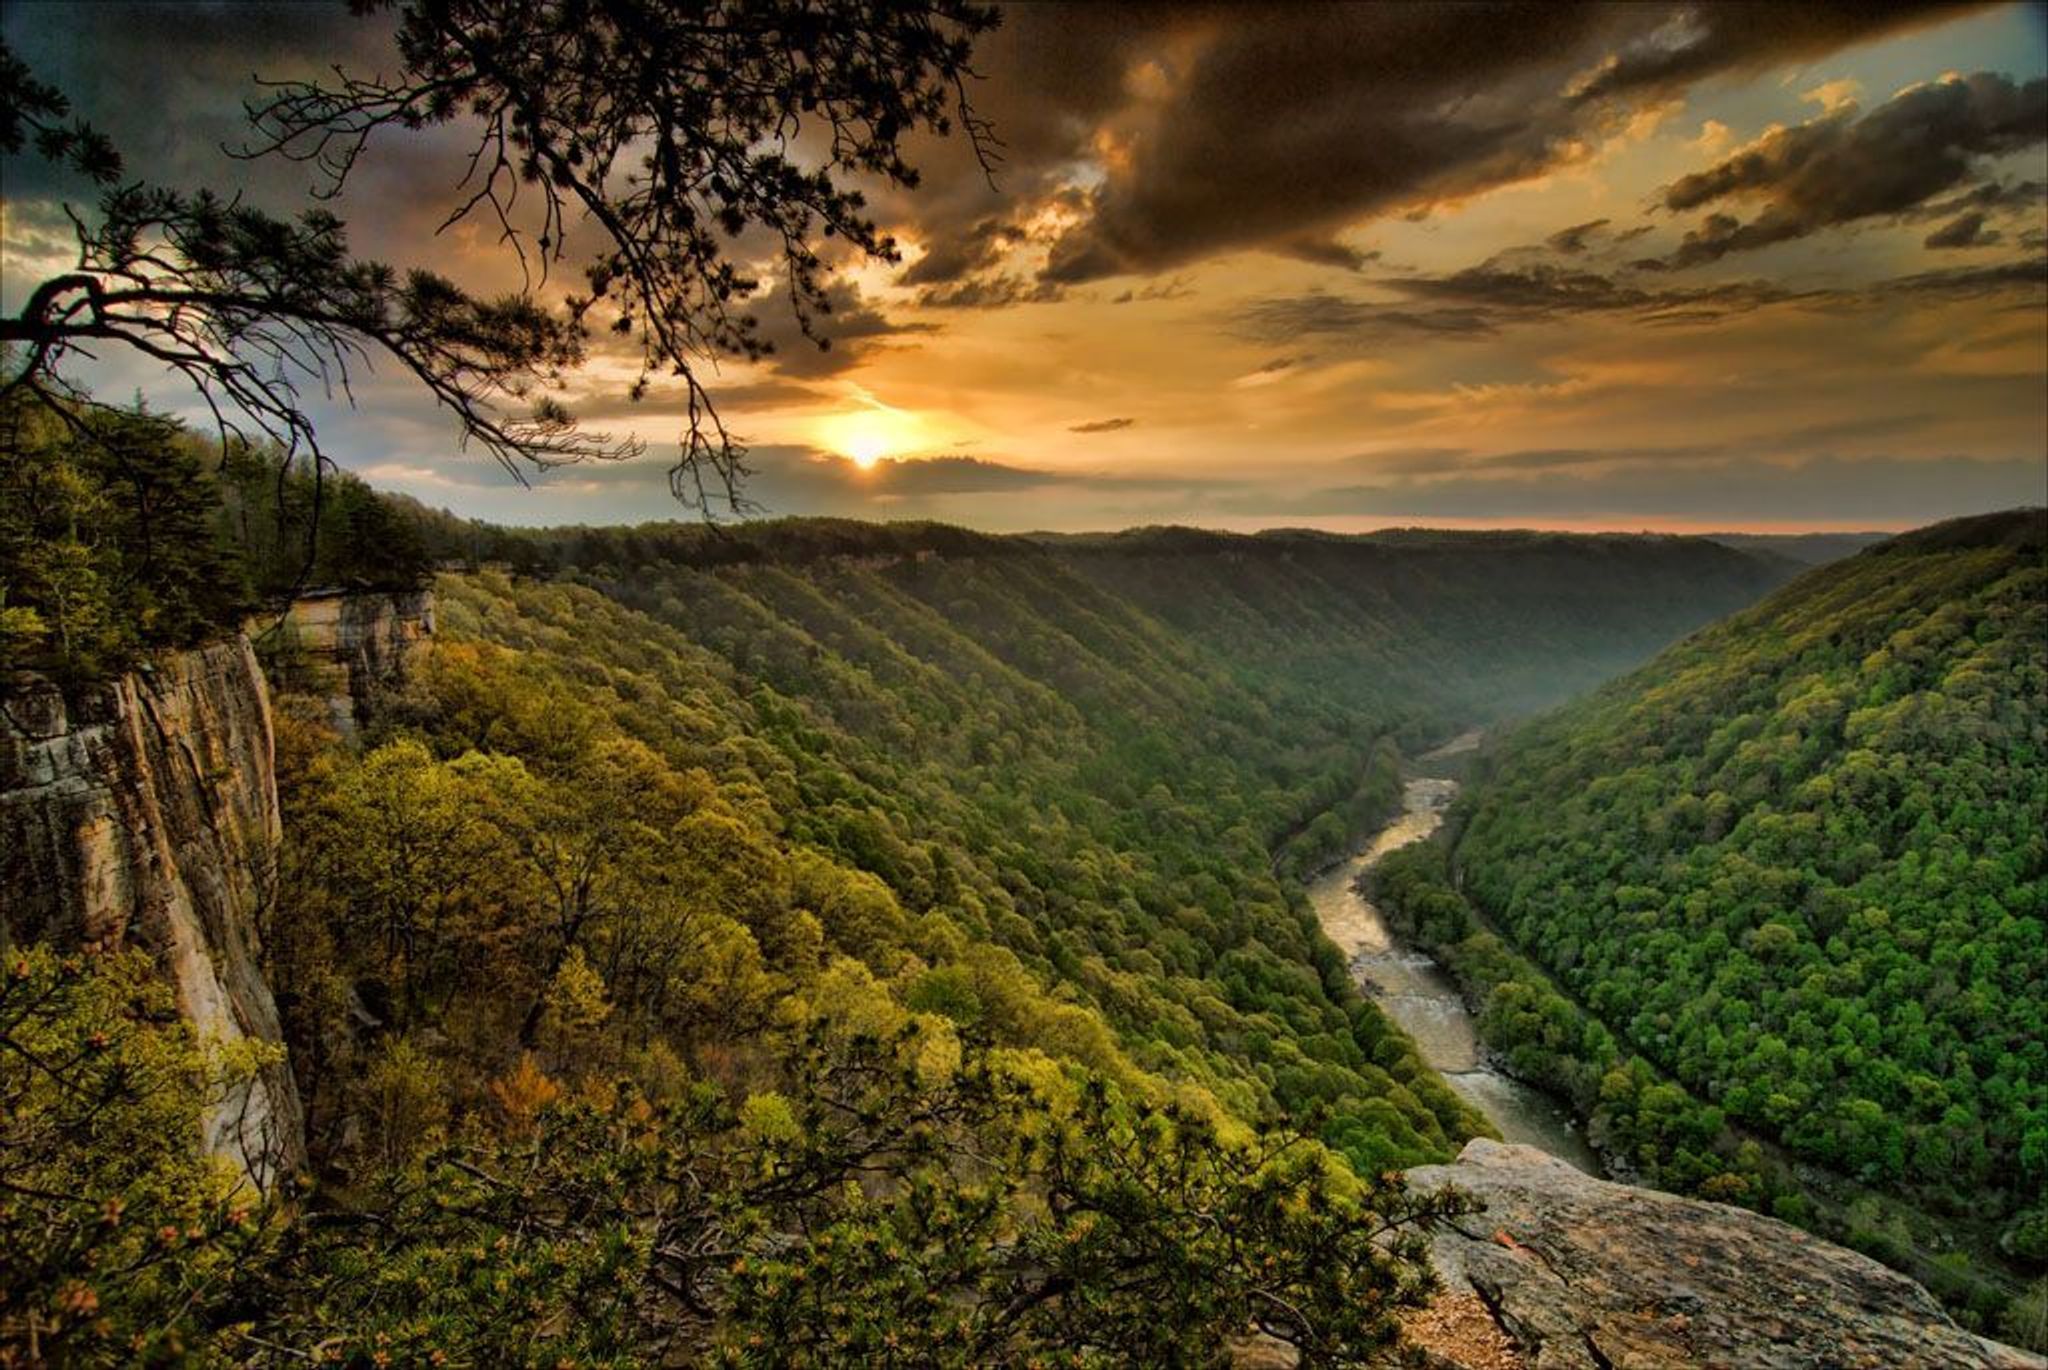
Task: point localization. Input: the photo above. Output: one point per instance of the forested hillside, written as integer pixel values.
(1003, 741)
(864, 941)
(1798, 864)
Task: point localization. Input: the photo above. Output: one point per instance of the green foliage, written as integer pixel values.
(1799, 861)
(294, 531)
(878, 1209)
(107, 540)
(115, 1233)
(1641, 1122)
(121, 531)
(833, 942)
(1799, 864)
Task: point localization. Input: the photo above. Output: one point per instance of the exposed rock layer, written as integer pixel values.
(143, 812)
(349, 647)
(1586, 1275)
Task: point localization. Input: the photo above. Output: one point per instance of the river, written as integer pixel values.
(1419, 994)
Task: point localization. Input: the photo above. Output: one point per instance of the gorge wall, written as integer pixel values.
(345, 646)
(143, 812)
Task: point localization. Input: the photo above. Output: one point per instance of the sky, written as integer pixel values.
(1348, 266)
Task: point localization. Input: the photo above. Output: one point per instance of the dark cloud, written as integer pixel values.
(1325, 252)
(849, 332)
(2021, 276)
(1965, 230)
(1479, 301)
(1844, 167)
(1101, 426)
(938, 476)
(1802, 441)
(165, 80)
(798, 481)
(1689, 43)
(1560, 458)
(1284, 318)
(1572, 241)
(1535, 288)
(990, 291)
(1175, 289)
(1398, 461)
(1279, 125)
(772, 392)
(980, 246)
(1991, 197)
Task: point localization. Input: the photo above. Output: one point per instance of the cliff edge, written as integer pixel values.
(346, 647)
(143, 812)
(1586, 1275)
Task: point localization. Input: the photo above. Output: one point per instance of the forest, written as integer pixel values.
(694, 874)
(1787, 887)
(752, 941)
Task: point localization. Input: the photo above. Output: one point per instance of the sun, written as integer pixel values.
(866, 436)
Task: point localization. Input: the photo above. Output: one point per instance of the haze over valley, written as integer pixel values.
(773, 683)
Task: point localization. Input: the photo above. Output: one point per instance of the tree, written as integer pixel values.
(647, 138)
(114, 1228)
(890, 1204)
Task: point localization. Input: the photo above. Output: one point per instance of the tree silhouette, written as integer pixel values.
(646, 139)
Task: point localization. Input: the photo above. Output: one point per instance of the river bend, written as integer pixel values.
(1420, 995)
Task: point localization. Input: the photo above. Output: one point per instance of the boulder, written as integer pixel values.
(1584, 1274)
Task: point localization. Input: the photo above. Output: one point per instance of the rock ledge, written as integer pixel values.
(1586, 1274)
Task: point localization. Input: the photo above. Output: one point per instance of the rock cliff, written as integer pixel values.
(347, 647)
(143, 812)
(1581, 1273)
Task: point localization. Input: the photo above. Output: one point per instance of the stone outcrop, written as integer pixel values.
(347, 647)
(1587, 1275)
(143, 812)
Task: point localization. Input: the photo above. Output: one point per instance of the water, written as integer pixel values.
(1419, 994)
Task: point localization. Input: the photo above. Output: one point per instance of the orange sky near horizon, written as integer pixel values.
(1795, 284)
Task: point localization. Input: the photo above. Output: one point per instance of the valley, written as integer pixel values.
(1409, 986)
(595, 849)
(1000, 685)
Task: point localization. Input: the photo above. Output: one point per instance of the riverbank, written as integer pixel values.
(1418, 994)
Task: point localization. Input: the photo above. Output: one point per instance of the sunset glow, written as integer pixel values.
(866, 436)
(1347, 268)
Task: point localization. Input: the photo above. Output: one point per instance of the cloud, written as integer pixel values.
(954, 475)
(1101, 426)
(849, 332)
(1325, 252)
(1843, 167)
(1269, 372)
(1275, 127)
(1285, 318)
(1965, 230)
(1398, 461)
(1572, 241)
(1686, 43)
(801, 481)
(994, 291)
(1676, 484)
(1538, 288)
(1175, 289)
(770, 392)
(975, 248)
(1480, 301)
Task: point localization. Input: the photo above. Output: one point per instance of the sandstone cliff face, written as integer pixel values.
(1581, 1273)
(349, 647)
(144, 813)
